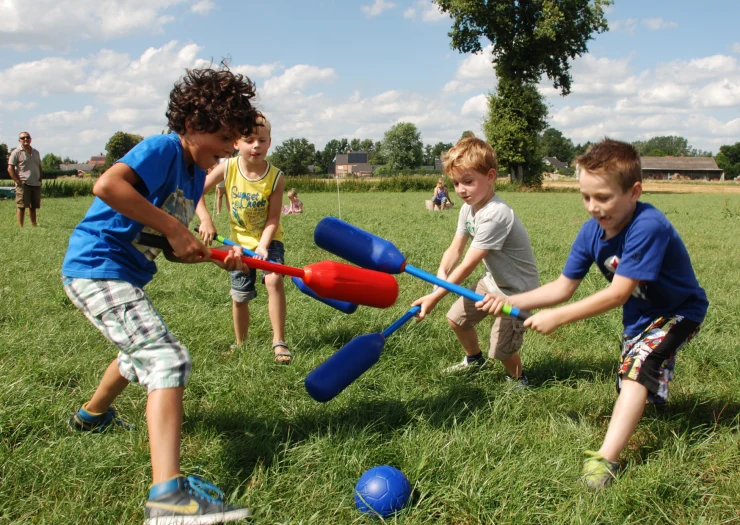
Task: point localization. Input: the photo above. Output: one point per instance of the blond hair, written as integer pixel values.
(470, 153)
(617, 160)
(292, 193)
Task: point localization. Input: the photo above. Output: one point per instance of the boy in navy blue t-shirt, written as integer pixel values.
(642, 256)
(154, 188)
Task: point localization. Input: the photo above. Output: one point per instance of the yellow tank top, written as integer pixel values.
(249, 202)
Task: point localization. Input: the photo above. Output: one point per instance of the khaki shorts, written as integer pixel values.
(507, 333)
(28, 196)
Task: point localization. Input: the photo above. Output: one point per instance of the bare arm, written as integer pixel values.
(274, 206)
(457, 275)
(216, 175)
(116, 188)
(13, 172)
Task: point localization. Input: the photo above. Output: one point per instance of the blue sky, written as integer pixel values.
(73, 72)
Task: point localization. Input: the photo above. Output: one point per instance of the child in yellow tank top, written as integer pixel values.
(255, 193)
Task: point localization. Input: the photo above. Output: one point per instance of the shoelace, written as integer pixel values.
(201, 488)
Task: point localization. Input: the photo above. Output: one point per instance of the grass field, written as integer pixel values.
(475, 450)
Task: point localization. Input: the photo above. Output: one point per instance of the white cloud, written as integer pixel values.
(296, 78)
(203, 7)
(630, 25)
(476, 106)
(376, 8)
(654, 24)
(426, 10)
(52, 24)
(63, 119)
(736, 47)
(260, 71)
(475, 72)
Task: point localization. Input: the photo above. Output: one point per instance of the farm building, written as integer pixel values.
(82, 169)
(555, 163)
(97, 159)
(352, 162)
(670, 168)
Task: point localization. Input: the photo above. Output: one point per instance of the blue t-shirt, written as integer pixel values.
(102, 246)
(650, 250)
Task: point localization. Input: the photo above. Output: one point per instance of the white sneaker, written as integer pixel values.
(467, 366)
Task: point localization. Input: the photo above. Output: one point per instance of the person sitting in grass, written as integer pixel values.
(255, 190)
(295, 206)
(154, 189)
(650, 276)
(500, 241)
(440, 199)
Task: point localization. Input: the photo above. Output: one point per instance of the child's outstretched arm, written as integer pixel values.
(116, 187)
(446, 272)
(274, 206)
(207, 229)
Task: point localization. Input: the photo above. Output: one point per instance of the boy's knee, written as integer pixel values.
(274, 281)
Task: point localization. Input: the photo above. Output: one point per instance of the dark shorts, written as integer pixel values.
(242, 283)
(28, 196)
(650, 357)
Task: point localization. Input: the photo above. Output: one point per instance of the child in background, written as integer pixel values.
(154, 188)
(295, 205)
(500, 242)
(255, 192)
(440, 199)
(650, 276)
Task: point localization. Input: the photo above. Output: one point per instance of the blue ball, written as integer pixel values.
(382, 491)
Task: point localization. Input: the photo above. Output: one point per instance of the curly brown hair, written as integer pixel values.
(211, 99)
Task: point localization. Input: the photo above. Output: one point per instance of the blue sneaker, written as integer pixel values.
(189, 501)
(84, 421)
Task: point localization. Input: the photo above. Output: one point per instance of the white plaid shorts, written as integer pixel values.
(147, 352)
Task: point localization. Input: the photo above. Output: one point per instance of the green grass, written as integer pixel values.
(475, 451)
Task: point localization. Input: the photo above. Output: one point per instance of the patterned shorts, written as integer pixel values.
(650, 357)
(147, 352)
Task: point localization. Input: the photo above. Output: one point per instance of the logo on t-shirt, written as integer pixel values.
(611, 263)
(470, 227)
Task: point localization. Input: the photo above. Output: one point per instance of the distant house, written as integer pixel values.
(350, 163)
(555, 163)
(438, 164)
(97, 159)
(670, 168)
(82, 169)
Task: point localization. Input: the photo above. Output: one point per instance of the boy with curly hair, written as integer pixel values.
(154, 189)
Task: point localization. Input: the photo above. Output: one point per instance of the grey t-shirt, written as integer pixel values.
(28, 164)
(510, 264)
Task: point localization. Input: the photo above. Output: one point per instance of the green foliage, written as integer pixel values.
(402, 147)
(67, 188)
(294, 156)
(433, 152)
(529, 38)
(50, 162)
(467, 133)
(728, 159)
(554, 144)
(118, 145)
(516, 116)
(669, 145)
(53, 174)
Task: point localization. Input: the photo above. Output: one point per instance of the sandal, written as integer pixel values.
(282, 357)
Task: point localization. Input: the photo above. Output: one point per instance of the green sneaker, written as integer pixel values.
(189, 501)
(598, 472)
(84, 421)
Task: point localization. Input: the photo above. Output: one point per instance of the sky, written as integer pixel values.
(73, 72)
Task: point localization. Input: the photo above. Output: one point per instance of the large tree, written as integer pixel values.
(402, 147)
(554, 144)
(432, 152)
(118, 145)
(529, 38)
(728, 159)
(51, 162)
(294, 156)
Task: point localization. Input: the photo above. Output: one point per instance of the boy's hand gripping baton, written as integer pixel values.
(342, 306)
(370, 251)
(329, 279)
